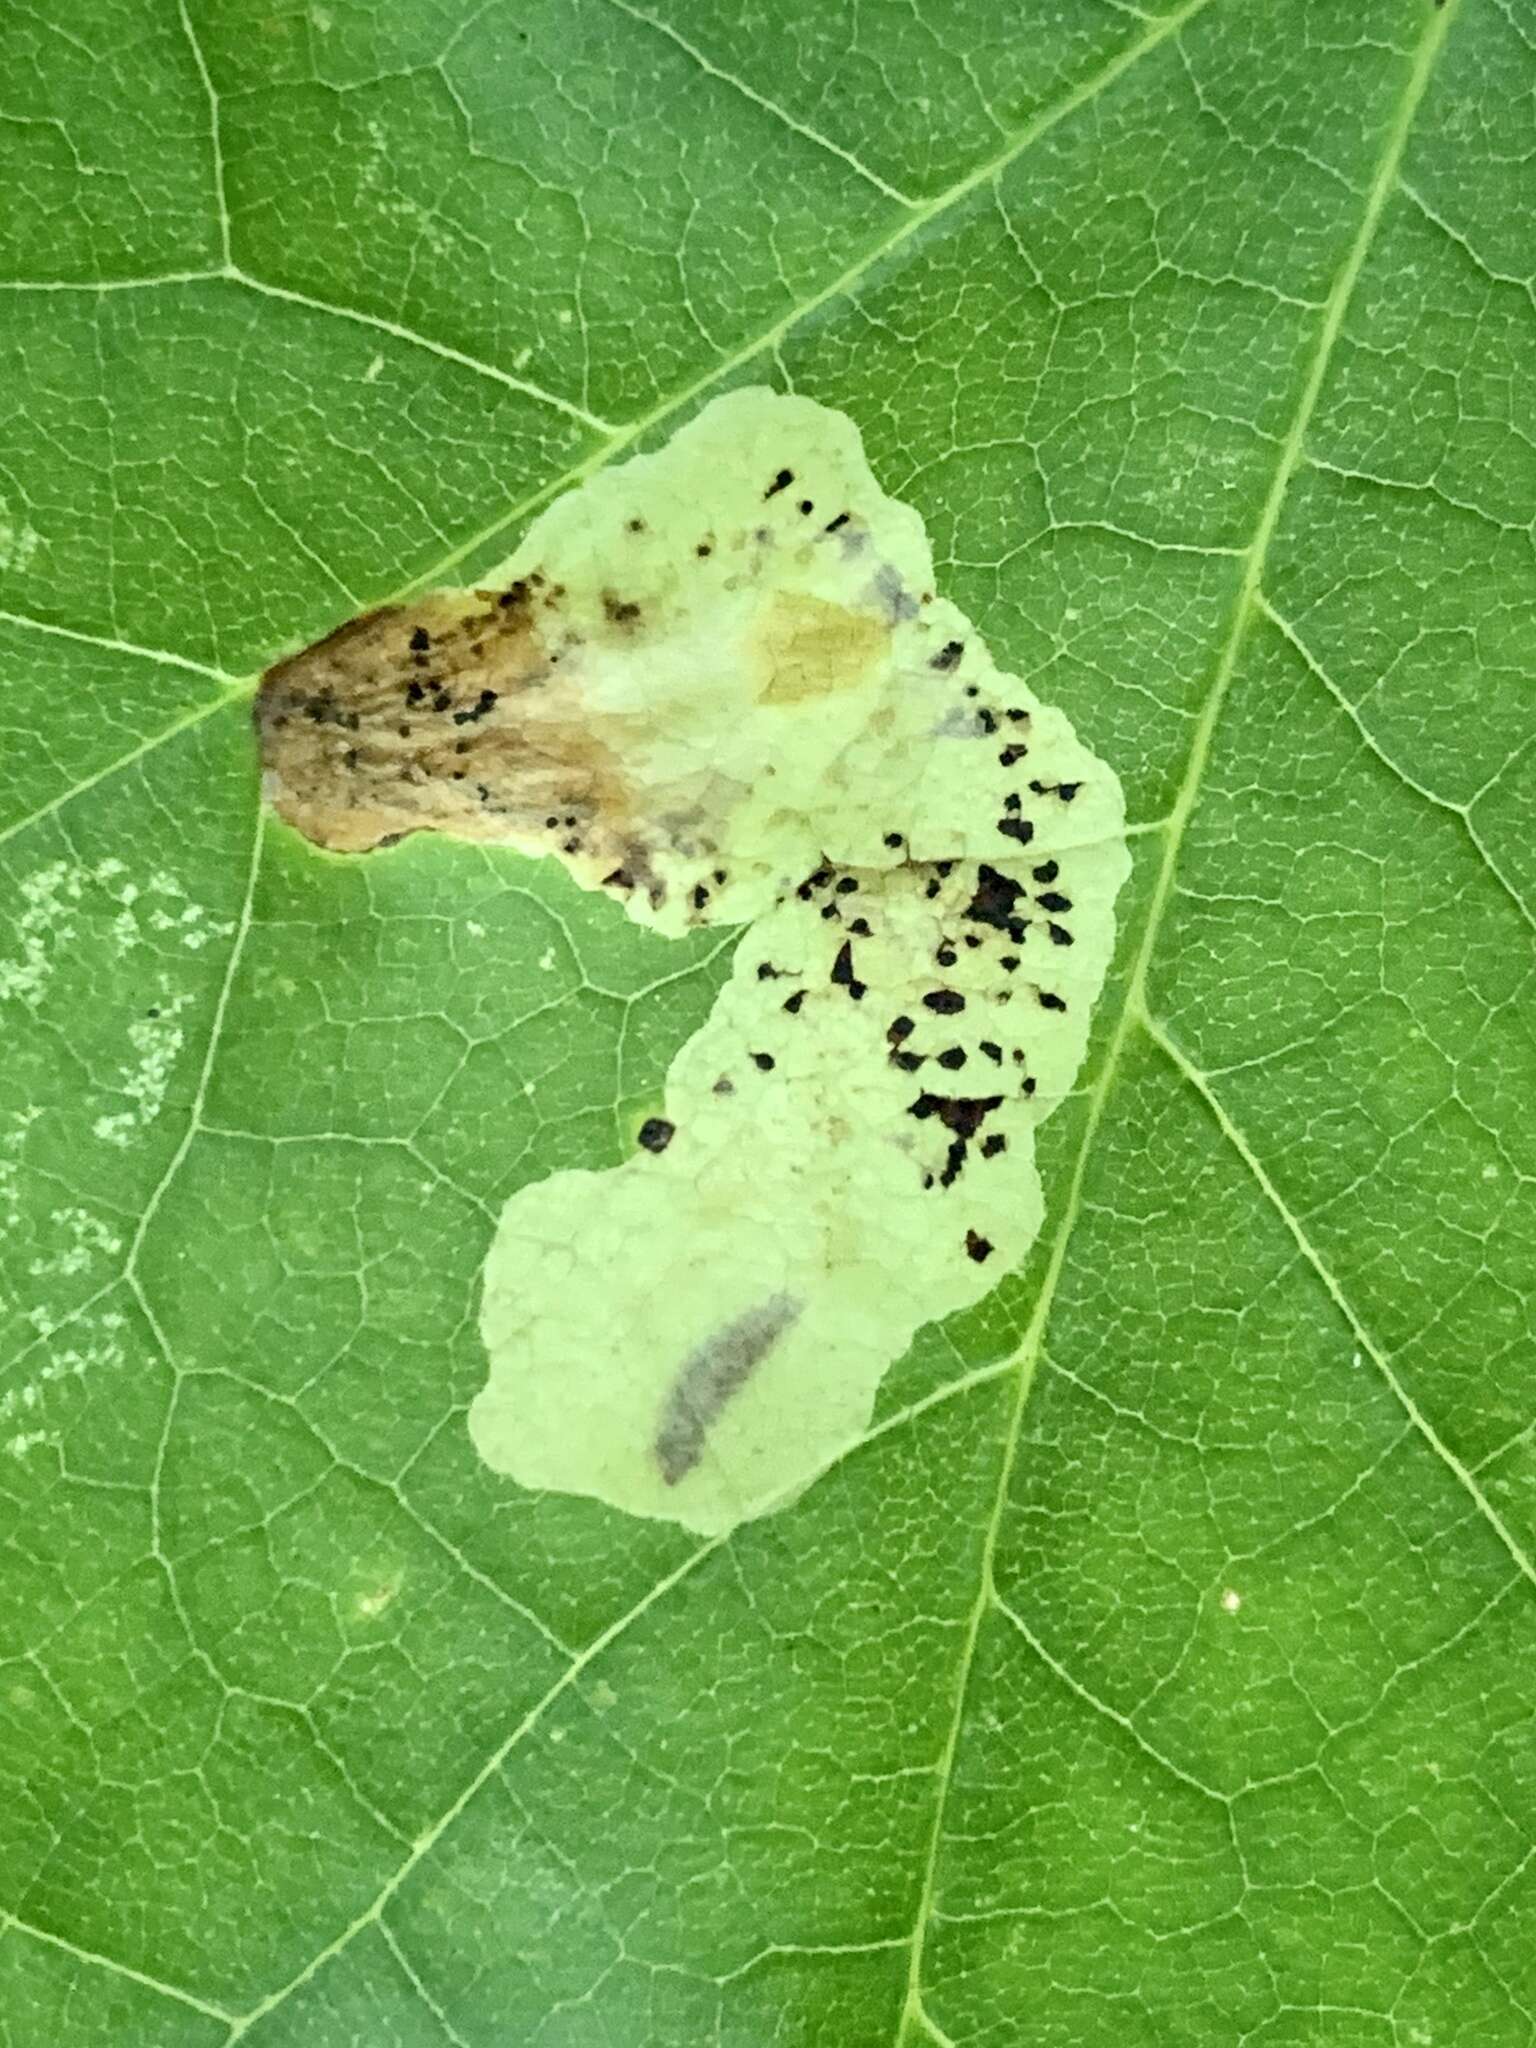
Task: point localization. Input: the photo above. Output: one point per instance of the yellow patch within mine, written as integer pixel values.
(808, 647)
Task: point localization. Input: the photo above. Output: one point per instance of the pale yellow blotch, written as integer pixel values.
(373, 1601)
(806, 647)
(717, 682)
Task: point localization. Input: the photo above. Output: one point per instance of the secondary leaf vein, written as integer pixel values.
(1461, 1472)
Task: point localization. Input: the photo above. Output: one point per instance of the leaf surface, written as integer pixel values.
(1157, 1669)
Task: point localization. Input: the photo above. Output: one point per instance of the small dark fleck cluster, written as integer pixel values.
(779, 482)
(843, 975)
(955, 1042)
(997, 922)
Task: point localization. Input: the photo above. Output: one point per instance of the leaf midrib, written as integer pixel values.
(1134, 1004)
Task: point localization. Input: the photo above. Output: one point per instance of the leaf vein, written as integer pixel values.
(9, 1923)
(1373, 745)
(790, 121)
(215, 136)
(399, 332)
(920, 217)
(1379, 1357)
(1121, 1721)
(980, 1376)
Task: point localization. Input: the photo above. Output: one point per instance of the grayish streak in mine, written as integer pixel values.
(716, 1371)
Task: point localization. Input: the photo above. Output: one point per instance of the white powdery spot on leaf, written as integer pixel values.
(379, 183)
(12, 1145)
(177, 915)
(45, 923)
(58, 899)
(85, 1239)
(19, 542)
(156, 1040)
(98, 1347)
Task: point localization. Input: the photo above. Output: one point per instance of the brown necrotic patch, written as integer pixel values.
(452, 714)
(548, 718)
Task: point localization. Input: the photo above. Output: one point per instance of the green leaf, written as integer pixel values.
(1158, 1668)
